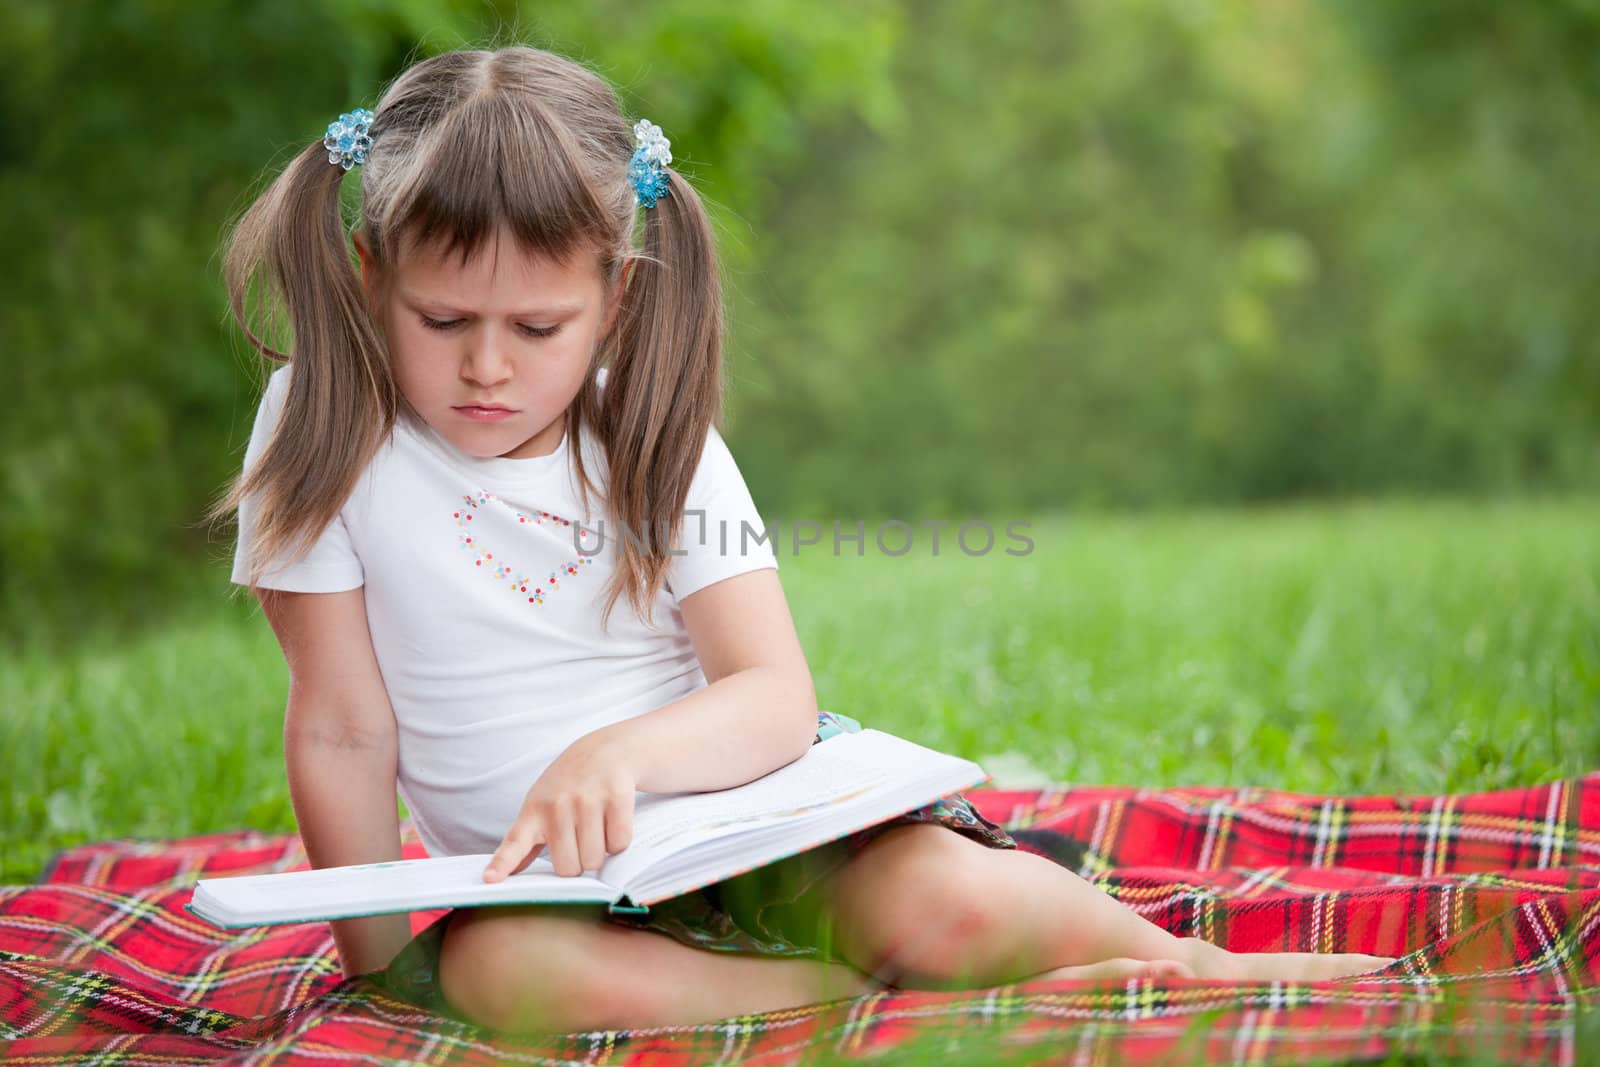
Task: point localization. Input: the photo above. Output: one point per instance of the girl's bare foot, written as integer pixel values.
(1213, 961)
(1302, 966)
(1342, 965)
(1120, 967)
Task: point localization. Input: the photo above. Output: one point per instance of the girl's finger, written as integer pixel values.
(619, 822)
(591, 836)
(515, 852)
(531, 854)
(510, 850)
(563, 844)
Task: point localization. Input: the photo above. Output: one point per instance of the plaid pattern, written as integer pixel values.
(1494, 896)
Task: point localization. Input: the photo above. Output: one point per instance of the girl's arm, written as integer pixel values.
(340, 747)
(759, 710)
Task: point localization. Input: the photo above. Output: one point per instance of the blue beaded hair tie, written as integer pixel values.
(647, 168)
(349, 139)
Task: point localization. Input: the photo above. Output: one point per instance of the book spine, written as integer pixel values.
(623, 906)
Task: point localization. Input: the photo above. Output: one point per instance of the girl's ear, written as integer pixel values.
(369, 272)
(614, 298)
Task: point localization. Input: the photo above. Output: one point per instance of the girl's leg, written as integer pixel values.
(924, 906)
(564, 968)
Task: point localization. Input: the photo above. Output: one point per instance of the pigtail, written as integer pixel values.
(664, 390)
(340, 401)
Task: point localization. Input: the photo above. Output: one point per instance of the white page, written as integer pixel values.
(376, 888)
(837, 774)
(835, 780)
(715, 860)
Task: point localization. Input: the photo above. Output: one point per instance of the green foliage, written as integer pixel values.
(1154, 251)
(979, 257)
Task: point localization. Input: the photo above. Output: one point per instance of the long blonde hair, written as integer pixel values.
(465, 143)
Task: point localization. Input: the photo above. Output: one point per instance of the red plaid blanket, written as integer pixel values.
(1493, 897)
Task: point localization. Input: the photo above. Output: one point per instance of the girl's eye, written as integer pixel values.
(531, 331)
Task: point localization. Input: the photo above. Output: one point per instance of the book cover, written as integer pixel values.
(681, 842)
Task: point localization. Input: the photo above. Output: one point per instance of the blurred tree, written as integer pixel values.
(1162, 251)
(980, 257)
(1478, 158)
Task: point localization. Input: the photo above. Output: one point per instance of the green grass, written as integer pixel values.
(1414, 647)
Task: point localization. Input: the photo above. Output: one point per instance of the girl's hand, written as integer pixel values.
(581, 808)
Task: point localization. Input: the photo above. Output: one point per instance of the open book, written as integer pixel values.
(681, 841)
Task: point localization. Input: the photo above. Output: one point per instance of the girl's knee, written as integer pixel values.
(950, 936)
(530, 969)
(932, 913)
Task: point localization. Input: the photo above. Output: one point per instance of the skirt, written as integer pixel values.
(773, 910)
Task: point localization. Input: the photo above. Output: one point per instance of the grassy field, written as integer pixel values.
(1412, 647)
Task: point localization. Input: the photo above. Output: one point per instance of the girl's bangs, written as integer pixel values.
(498, 161)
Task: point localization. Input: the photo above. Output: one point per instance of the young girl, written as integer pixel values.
(503, 423)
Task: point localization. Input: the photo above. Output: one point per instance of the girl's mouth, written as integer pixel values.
(485, 414)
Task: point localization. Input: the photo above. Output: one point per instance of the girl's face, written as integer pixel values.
(506, 330)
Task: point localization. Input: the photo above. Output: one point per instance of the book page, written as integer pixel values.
(847, 781)
(844, 770)
(375, 888)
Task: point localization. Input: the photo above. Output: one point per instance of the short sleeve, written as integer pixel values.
(722, 533)
(332, 564)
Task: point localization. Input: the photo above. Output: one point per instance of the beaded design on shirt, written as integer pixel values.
(534, 590)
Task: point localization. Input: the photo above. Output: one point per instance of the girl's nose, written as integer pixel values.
(485, 362)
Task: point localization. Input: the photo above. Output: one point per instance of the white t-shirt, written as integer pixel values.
(485, 614)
